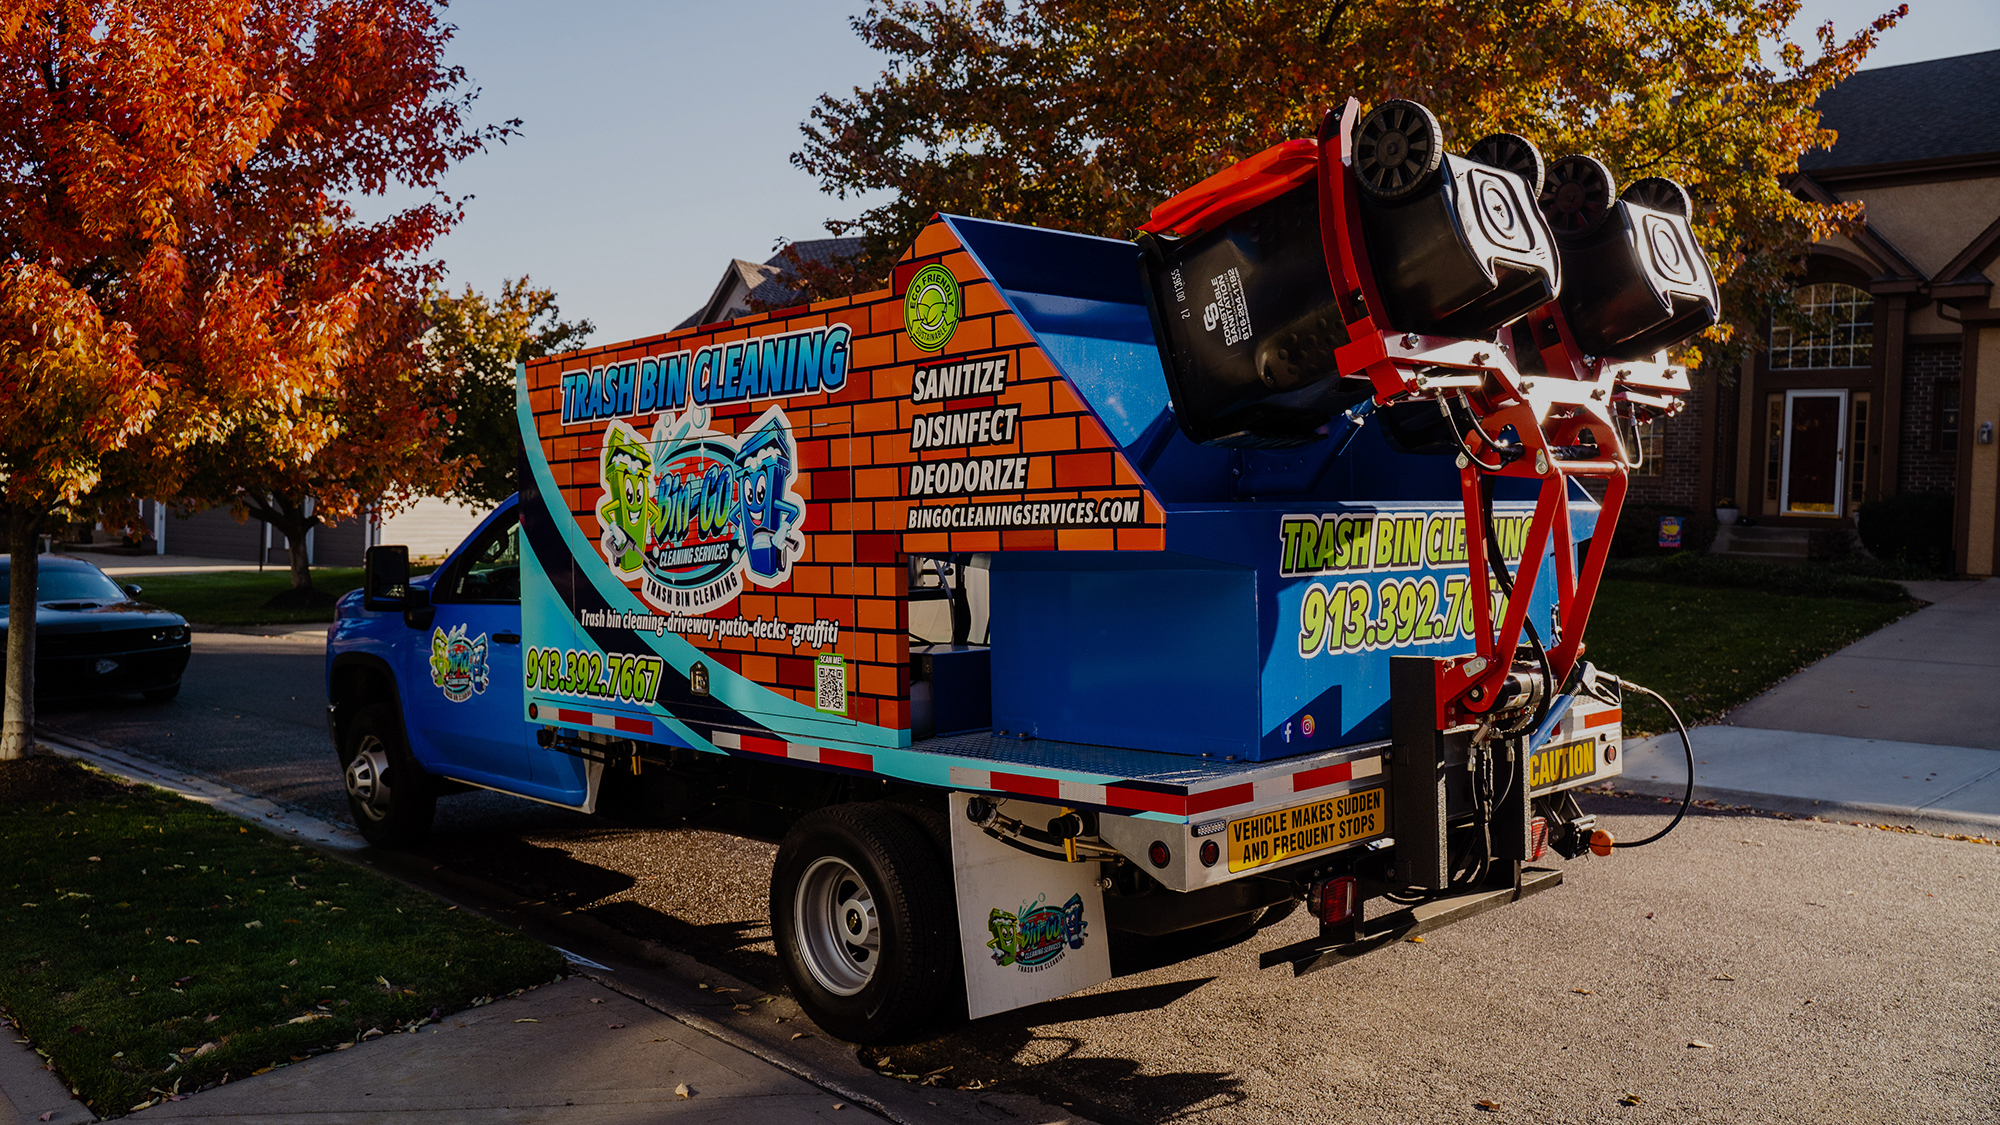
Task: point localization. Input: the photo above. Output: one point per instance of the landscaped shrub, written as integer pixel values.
(1914, 528)
(1638, 533)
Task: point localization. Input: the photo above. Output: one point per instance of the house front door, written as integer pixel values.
(1815, 451)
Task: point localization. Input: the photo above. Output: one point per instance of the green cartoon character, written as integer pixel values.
(1006, 930)
(628, 475)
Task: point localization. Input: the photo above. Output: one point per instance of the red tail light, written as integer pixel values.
(1538, 837)
(1334, 901)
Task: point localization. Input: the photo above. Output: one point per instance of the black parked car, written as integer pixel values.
(93, 639)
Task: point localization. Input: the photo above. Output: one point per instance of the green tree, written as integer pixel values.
(473, 343)
(1084, 114)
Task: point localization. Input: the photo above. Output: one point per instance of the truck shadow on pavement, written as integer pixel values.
(1042, 1050)
(551, 875)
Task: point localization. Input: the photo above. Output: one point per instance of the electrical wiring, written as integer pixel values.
(1687, 744)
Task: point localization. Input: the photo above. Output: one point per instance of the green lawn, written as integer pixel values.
(239, 597)
(1709, 649)
(153, 945)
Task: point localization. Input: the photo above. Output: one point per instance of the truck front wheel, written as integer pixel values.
(862, 911)
(388, 793)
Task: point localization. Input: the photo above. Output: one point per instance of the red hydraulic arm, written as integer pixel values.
(1550, 428)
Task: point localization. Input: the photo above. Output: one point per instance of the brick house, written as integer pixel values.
(1902, 395)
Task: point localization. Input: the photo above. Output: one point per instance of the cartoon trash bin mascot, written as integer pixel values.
(767, 517)
(628, 472)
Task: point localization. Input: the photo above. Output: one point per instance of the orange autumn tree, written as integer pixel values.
(187, 271)
(1083, 114)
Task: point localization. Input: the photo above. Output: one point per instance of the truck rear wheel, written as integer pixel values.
(388, 793)
(862, 911)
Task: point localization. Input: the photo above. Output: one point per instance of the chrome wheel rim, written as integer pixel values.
(834, 922)
(366, 777)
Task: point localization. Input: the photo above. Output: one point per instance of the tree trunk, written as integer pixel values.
(293, 519)
(17, 732)
(295, 548)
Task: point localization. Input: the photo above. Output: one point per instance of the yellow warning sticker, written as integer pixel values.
(1267, 838)
(1555, 765)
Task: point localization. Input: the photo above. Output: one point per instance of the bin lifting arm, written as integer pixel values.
(1550, 414)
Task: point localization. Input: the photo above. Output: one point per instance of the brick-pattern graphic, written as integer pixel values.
(857, 472)
(1921, 465)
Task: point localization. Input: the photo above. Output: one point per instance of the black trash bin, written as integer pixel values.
(1246, 318)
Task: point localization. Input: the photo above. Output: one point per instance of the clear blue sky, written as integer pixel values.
(657, 137)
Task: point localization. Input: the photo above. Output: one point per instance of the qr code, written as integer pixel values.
(832, 685)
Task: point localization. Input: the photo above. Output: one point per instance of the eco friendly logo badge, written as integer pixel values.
(931, 308)
(692, 511)
(1037, 935)
(458, 665)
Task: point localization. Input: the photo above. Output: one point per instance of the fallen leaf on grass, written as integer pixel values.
(1696, 1043)
(253, 924)
(308, 1017)
(682, 1091)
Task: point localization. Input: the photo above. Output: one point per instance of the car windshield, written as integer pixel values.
(67, 584)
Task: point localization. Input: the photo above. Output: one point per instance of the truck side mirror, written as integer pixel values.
(417, 608)
(385, 578)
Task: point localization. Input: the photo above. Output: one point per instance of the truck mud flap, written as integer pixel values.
(1323, 953)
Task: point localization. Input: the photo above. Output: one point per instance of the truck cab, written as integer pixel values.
(433, 683)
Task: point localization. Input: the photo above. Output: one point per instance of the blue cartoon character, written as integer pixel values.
(767, 520)
(1073, 923)
(458, 664)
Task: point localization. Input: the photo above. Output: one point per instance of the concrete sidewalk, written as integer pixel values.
(1902, 726)
(573, 1052)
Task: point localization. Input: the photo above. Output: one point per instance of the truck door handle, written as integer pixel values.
(507, 638)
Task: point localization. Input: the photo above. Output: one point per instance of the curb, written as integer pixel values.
(1981, 825)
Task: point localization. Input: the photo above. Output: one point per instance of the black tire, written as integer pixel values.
(1578, 196)
(1397, 149)
(389, 796)
(162, 694)
(1660, 194)
(1515, 153)
(872, 871)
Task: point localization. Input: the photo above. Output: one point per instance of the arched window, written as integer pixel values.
(1837, 328)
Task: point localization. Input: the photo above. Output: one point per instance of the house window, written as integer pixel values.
(1648, 435)
(1836, 326)
(1857, 449)
(1774, 450)
(1947, 416)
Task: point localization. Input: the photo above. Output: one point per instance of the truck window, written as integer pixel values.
(489, 570)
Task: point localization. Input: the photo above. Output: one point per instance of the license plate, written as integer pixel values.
(1267, 838)
(1560, 765)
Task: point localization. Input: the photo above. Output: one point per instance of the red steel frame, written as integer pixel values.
(1546, 412)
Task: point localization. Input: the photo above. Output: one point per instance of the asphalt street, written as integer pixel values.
(1744, 969)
